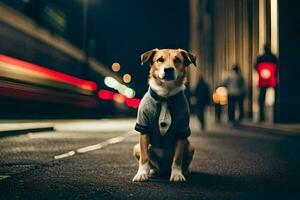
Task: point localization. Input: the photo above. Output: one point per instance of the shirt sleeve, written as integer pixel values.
(185, 133)
(183, 128)
(142, 123)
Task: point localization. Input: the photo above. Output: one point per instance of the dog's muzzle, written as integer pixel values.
(168, 74)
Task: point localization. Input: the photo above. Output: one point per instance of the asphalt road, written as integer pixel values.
(93, 160)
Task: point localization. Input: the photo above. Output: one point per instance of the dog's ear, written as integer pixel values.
(145, 57)
(189, 58)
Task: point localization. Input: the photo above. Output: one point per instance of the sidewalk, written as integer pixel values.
(288, 129)
(267, 127)
(15, 127)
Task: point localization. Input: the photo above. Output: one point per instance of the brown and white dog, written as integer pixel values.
(166, 80)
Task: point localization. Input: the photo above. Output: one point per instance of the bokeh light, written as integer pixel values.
(127, 78)
(116, 66)
(111, 82)
(121, 88)
(220, 96)
(129, 93)
(119, 98)
(222, 91)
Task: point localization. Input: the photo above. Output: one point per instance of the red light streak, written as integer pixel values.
(105, 94)
(133, 102)
(48, 73)
(108, 95)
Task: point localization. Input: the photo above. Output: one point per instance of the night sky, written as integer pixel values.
(123, 29)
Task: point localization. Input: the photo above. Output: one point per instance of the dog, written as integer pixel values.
(163, 117)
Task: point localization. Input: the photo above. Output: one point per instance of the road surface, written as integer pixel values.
(92, 159)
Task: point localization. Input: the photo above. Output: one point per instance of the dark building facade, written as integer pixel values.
(289, 45)
(226, 32)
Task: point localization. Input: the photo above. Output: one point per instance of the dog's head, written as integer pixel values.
(168, 64)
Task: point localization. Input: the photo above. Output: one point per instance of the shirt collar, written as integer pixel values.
(157, 97)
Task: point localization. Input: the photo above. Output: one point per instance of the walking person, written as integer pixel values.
(202, 95)
(266, 66)
(235, 84)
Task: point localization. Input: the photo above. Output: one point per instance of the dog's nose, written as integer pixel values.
(169, 70)
(169, 73)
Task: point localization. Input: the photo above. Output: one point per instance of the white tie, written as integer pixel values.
(165, 120)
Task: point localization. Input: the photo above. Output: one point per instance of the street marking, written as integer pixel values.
(3, 177)
(65, 155)
(90, 148)
(96, 146)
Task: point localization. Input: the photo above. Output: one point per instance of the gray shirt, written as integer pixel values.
(148, 119)
(235, 84)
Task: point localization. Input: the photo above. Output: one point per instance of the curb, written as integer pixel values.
(11, 130)
(268, 130)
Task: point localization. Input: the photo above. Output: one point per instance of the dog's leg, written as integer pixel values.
(137, 151)
(144, 166)
(187, 158)
(176, 170)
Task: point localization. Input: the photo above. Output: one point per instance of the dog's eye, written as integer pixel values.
(177, 60)
(161, 59)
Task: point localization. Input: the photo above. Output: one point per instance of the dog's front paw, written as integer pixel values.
(176, 174)
(143, 173)
(177, 177)
(140, 177)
